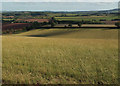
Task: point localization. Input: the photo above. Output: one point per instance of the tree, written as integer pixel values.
(52, 24)
(70, 25)
(102, 19)
(79, 24)
(53, 21)
(53, 18)
(65, 26)
(35, 24)
(44, 23)
(117, 24)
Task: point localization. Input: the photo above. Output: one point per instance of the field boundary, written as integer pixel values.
(80, 27)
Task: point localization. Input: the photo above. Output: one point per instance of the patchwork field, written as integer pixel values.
(84, 25)
(65, 56)
(86, 18)
(14, 26)
(33, 20)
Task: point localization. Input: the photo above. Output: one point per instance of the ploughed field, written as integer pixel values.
(9, 26)
(33, 20)
(66, 56)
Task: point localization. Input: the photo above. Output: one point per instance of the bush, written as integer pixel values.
(79, 24)
(70, 25)
(65, 26)
(117, 24)
(53, 21)
(52, 24)
(102, 19)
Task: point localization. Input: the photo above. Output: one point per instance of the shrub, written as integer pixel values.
(79, 24)
(70, 25)
(53, 21)
(117, 24)
(52, 24)
(102, 19)
(65, 26)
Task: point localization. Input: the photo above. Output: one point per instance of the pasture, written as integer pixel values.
(84, 25)
(86, 18)
(61, 56)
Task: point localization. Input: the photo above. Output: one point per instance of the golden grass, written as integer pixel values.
(63, 58)
(73, 33)
(98, 25)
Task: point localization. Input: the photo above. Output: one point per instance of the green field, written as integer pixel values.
(64, 56)
(8, 19)
(85, 18)
(83, 25)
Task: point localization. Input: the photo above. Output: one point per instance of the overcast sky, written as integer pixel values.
(60, 0)
(50, 5)
(58, 6)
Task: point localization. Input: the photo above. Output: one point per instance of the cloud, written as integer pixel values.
(60, 1)
(17, 0)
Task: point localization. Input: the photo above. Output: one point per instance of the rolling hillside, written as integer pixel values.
(61, 56)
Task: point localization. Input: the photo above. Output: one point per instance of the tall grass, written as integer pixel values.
(63, 58)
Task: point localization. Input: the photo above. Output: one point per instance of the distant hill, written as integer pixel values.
(73, 12)
(110, 11)
(88, 12)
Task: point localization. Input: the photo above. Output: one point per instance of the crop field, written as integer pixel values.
(61, 56)
(33, 20)
(87, 18)
(98, 25)
(84, 25)
(14, 26)
(109, 22)
(7, 19)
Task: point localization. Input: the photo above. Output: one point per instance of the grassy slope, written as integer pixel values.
(61, 56)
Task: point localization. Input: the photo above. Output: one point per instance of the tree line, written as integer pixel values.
(52, 22)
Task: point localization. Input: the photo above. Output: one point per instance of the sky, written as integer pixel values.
(58, 6)
(60, 0)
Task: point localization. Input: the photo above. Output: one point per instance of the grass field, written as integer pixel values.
(86, 18)
(66, 56)
(8, 19)
(84, 25)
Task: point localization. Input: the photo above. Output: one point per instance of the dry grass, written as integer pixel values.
(98, 25)
(79, 56)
